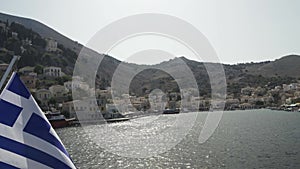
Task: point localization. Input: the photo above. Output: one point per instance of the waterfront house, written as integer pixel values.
(69, 109)
(86, 109)
(246, 106)
(43, 95)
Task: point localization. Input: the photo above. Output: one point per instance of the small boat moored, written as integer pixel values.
(171, 111)
(58, 120)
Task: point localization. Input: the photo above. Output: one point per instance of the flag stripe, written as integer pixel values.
(39, 127)
(7, 166)
(19, 161)
(34, 142)
(31, 153)
(13, 98)
(9, 113)
(17, 86)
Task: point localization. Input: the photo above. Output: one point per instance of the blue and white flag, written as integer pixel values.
(27, 139)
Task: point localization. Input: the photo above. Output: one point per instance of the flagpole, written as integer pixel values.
(8, 70)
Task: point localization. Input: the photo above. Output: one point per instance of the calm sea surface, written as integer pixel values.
(244, 139)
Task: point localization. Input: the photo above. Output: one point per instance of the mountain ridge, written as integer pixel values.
(241, 75)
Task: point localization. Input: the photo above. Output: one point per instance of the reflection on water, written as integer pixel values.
(244, 139)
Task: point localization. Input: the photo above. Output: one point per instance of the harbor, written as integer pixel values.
(234, 144)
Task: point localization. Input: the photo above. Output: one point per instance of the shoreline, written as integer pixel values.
(137, 115)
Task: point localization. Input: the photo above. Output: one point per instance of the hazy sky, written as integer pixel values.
(239, 30)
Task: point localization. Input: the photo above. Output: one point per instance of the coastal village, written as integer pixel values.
(150, 84)
(52, 88)
(58, 96)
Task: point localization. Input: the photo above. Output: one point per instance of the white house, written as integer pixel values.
(88, 109)
(52, 71)
(14, 35)
(43, 95)
(289, 87)
(76, 85)
(58, 90)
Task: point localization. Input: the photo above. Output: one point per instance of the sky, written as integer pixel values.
(239, 30)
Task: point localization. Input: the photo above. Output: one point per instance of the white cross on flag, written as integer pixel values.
(27, 139)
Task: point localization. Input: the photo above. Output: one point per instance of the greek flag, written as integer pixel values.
(27, 139)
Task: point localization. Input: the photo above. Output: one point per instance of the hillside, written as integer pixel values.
(16, 39)
(266, 74)
(285, 66)
(43, 30)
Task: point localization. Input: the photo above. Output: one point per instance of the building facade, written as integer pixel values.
(52, 71)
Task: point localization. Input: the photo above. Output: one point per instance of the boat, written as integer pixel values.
(114, 116)
(117, 120)
(58, 120)
(171, 108)
(171, 111)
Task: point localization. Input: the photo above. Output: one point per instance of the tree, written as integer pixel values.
(52, 101)
(38, 41)
(38, 69)
(7, 23)
(178, 98)
(62, 80)
(259, 103)
(13, 45)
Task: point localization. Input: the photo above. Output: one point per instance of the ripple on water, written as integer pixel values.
(243, 139)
